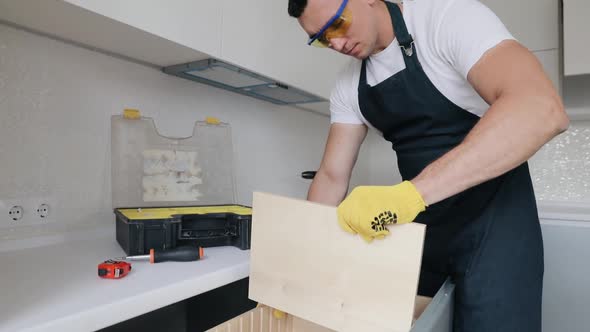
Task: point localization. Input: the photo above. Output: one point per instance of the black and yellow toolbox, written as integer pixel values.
(171, 191)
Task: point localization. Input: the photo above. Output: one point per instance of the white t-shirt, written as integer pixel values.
(450, 37)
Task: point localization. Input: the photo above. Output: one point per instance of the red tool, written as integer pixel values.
(112, 269)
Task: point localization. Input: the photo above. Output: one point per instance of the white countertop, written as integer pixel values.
(57, 288)
(564, 211)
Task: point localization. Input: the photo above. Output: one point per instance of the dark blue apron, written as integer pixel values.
(487, 238)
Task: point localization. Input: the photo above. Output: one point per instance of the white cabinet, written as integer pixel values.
(116, 35)
(576, 48)
(565, 287)
(194, 24)
(257, 35)
(261, 36)
(535, 23)
(550, 61)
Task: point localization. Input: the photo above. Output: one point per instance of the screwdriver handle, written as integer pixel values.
(178, 254)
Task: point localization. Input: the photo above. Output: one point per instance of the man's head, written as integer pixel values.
(348, 26)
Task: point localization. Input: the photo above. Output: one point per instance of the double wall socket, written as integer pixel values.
(27, 211)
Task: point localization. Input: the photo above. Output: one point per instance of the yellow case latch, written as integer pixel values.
(131, 114)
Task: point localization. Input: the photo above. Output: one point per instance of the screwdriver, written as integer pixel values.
(178, 254)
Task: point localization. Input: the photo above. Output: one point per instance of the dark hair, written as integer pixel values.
(296, 7)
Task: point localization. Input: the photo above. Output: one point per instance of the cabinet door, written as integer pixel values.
(576, 49)
(535, 23)
(261, 36)
(195, 24)
(550, 61)
(565, 288)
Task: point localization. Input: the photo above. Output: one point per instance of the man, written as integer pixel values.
(464, 106)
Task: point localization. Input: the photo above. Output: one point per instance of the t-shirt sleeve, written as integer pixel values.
(342, 98)
(466, 31)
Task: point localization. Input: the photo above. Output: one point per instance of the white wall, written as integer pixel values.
(55, 106)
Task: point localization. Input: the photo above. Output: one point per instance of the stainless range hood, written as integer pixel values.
(229, 77)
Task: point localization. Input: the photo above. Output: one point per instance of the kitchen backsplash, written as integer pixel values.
(561, 169)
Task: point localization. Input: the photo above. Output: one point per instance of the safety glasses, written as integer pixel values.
(336, 27)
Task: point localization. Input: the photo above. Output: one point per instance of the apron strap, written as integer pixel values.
(404, 38)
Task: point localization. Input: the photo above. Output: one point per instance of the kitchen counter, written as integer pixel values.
(564, 211)
(56, 287)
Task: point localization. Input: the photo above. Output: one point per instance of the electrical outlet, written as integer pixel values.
(28, 211)
(43, 211)
(15, 213)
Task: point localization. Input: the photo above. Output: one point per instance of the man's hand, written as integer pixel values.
(369, 209)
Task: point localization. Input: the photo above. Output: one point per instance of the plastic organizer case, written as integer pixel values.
(170, 191)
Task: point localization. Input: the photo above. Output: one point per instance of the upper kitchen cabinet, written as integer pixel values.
(152, 31)
(535, 23)
(550, 61)
(261, 36)
(576, 49)
(223, 43)
(195, 24)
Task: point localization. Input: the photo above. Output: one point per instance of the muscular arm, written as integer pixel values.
(526, 112)
(330, 184)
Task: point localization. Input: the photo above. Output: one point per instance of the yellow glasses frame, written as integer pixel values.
(336, 27)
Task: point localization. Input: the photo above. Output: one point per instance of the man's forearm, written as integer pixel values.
(512, 130)
(327, 190)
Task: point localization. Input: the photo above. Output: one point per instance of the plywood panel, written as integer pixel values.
(300, 325)
(304, 264)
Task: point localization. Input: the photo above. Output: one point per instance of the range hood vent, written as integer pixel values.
(229, 77)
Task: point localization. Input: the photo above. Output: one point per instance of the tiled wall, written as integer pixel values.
(561, 169)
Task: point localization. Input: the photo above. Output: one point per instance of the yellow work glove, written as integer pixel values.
(369, 209)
